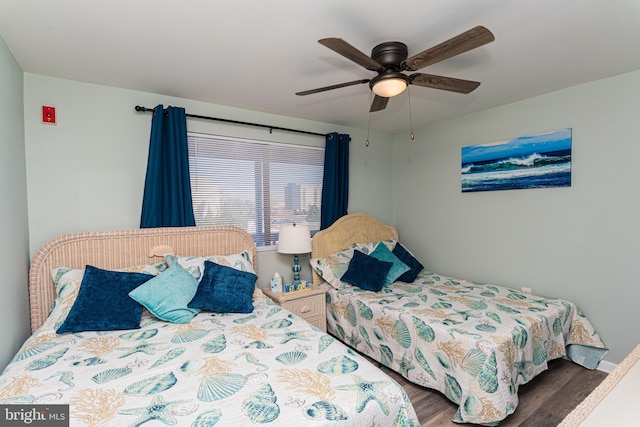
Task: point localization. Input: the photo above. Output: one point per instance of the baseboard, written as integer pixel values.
(606, 367)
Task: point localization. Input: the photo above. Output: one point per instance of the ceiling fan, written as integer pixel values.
(389, 60)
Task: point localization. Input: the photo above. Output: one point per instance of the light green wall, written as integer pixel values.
(87, 172)
(578, 243)
(14, 233)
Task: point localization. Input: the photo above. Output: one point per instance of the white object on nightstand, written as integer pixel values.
(276, 283)
(309, 304)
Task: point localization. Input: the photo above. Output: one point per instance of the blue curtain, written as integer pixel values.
(167, 188)
(335, 182)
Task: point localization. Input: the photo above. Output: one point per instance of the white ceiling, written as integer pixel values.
(255, 54)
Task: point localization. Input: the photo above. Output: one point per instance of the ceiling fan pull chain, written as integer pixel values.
(366, 143)
(412, 135)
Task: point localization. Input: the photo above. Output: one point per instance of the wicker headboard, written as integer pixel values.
(349, 229)
(125, 248)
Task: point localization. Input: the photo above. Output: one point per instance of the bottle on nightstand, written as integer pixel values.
(276, 283)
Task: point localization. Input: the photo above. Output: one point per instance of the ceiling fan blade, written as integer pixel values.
(345, 49)
(338, 86)
(444, 83)
(379, 103)
(461, 43)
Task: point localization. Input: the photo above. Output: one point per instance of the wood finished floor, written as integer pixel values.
(544, 401)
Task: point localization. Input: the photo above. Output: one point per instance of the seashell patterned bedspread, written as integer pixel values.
(267, 367)
(474, 342)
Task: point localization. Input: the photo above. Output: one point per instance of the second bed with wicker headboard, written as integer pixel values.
(474, 342)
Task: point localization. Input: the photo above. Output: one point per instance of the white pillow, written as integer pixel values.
(195, 264)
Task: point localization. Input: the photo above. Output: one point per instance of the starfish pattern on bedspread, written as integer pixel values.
(367, 390)
(158, 409)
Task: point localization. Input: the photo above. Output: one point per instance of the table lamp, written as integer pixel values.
(294, 239)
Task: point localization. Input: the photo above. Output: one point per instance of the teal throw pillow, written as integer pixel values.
(167, 295)
(225, 290)
(383, 253)
(103, 303)
(405, 256)
(366, 272)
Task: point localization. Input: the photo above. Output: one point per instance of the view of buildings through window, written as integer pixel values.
(256, 185)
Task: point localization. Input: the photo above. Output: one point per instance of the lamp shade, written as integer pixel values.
(294, 239)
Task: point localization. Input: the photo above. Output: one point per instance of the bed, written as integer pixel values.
(263, 366)
(614, 402)
(474, 342)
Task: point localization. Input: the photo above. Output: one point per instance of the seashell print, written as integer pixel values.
(338, 365)
(423, 297)
(440, 305)
(192, 366)
(437, 292)
(207, 419)
(350, 314)
(258, 344)
(324, 410)
(475, 305)
(516, 296)
(411, 304)
(333, 313)
(216, 345)
(325, 341)
(423, 330)
(536, 309)
(365, 312)
(400, 332)
(488, 376)
(340, 333)
(557, 327)
(386, 355)
(473, 362)
(188, 335)
(291, 357)
(539, 353)
(365, 336)
(378, 333)
(452, 389)
(471, 405)
(46, 361)
(89, 361)
(494, 316)
(506, 309)
(33, 350)
(261, 406)
(110, 375)
(494, 289)
(444, 360)
(422, 361)
(219, 386)
(487, 294)
(170, 355)
(152, 385)
(277, 324)
(519, 336)
(274, 310)
(245, 319)
(140, 335)
(483, 327)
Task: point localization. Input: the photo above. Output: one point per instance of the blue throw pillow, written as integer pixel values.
(225, 290)
(366, 272)
(383, 253)
(103, 303)
(166, 296)
(405, 256)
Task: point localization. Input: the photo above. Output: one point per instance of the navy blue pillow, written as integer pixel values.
(366, 272)
(103, 302)
(405, 256)
(224, 290)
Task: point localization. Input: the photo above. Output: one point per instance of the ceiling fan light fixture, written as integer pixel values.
(389, 85)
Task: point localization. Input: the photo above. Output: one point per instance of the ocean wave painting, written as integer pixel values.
(536, 161)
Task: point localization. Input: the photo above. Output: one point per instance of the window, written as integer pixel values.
(256, 185)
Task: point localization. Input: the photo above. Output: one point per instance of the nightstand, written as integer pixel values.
(309, 304)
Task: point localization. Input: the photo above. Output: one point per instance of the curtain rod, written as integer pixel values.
(271, 128)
